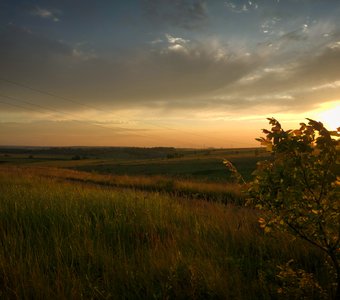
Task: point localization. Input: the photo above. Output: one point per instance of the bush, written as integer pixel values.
(299, 189)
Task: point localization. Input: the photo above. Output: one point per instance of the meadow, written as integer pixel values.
(67, 233)
(204, 165)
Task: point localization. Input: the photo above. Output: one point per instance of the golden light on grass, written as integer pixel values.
(71, 238)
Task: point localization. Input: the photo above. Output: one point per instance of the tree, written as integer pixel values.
(299, 187)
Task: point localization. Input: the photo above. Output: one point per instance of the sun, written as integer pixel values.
(330, 117)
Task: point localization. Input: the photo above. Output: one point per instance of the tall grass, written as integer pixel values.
(63, 240)
(218, 192)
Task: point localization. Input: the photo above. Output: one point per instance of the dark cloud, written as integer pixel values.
(298, 85)
(176, 73)
(294, 36)
(140, 78)
(321, 68)
(188, 14)
(21, 50)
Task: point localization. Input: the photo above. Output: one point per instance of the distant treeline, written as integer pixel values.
(121, 152)
(138, 152)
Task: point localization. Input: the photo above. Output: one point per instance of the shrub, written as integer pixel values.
(298, 187)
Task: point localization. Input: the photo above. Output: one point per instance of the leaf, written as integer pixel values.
(297, 132)
(303, 126)
(334, 133)
(269, 147)
(316, 125)
(261, 220)
(260, 139)
(276, 128)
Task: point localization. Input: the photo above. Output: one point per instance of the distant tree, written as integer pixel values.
(299, 187)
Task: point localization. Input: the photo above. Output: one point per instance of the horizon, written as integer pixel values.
(11, 147)
(185, 74)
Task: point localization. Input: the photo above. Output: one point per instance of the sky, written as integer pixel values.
(182, 73)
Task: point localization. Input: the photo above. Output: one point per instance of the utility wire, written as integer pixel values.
(49, 94)
(73, 101)
(44, 108)
(19, 106)
(67, 99)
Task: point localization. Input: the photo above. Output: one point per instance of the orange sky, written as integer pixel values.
(181, 73)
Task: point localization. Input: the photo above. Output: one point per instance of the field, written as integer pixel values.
(137, 224)
(198, 165)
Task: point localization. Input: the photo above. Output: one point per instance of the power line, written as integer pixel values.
(33, 104)
(49, 94)
(20, 106)
(69, 114)
(54, 110)
(75, 102)
(85, 105)
(67, 99)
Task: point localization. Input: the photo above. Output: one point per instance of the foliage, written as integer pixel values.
(235, 174)
(299, 188)
(298, 284)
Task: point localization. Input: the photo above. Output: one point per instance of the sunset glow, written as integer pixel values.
(330, 117)
(165, 73)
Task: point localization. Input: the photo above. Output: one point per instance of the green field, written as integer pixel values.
(106, 227)
(199, 165)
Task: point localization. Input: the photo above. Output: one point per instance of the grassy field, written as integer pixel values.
(82, 239)
(185, 164)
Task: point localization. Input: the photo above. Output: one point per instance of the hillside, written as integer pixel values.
(75, 239)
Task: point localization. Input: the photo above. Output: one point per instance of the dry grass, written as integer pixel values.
(217, 192)
(73, 240)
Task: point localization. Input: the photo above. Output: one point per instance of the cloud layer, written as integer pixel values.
(46, 13)
(188, 14)
(282, 60)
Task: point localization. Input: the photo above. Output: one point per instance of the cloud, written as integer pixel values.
(269, 25)
(176, 69)
(241, 6)
(175, 73)
(187, 14)
(18, 42)
(176, 40)
(300, 84)
(51, 14)
(176, 44)
(294, 36)
(69, 133)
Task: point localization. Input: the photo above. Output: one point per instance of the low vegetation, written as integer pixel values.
(217, 192)
(74, 240)
(299, 192)
(161, 223)
(184, 164)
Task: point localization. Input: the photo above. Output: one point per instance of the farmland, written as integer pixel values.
(199, 165)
